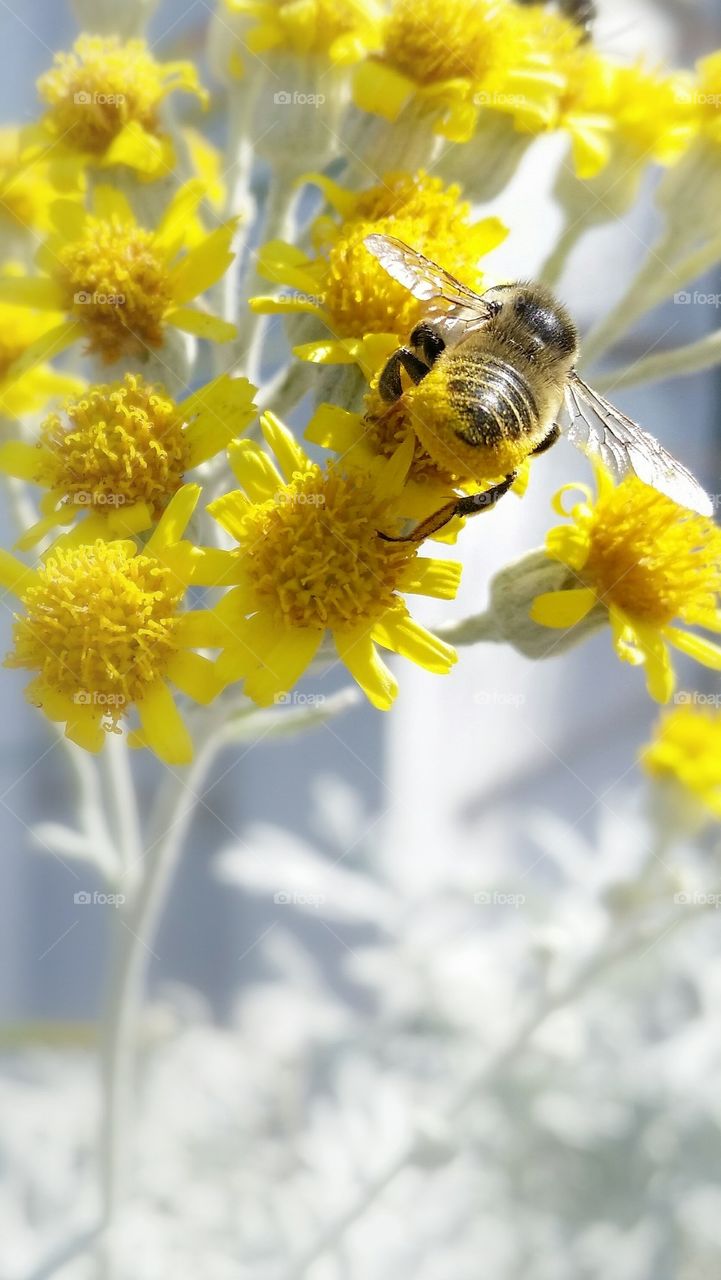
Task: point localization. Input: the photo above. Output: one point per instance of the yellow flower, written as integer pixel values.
(648, 562)
(120, 284)
(346, 288)
(104, 101)
(341, 32)
(26, 189)
(25, 385)
(310, 561)
(652, 113)
(103, 628)
(118, 453)
(686, 750)
(463, 56)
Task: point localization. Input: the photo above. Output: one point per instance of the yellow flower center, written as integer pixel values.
(116, 445)
(116, 283)
(313, 553)
(459, 39)
(651, 558)
(93, 92)
(99, 625)
(359, 295)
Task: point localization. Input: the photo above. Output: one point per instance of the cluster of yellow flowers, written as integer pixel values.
(106, 622)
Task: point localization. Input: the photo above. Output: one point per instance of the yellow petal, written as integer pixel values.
(219, 413)
(401, 633)
(201, 629)
(14, 575)
(138, 149)
(164, 729)
(20, 459)
(215, 567)
(109, 202)
(562, 609)
(248, 642)
(283, 666)
(195, 676)
(230, 511)
(174, 520)
(288, 452)
(660, 679)
(696, 647)
(32, 291)
(334, 428)
(569, 544)
(86, 730)
(204, 264)
(264, 304)
(254, 470)
(339, 198)
(330, 351)
(359, 654)
(381, 90)
(429, 577)
(178, 216)
(201, 324)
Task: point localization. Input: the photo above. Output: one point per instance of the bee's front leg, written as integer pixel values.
(390, 386)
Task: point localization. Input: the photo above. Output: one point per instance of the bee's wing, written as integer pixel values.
(448, 301)
(593, 425)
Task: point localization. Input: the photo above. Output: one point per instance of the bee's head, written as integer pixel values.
(534, 311)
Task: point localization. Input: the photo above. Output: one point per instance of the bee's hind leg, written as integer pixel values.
(551, 438)
(390, 386)
(468, 506)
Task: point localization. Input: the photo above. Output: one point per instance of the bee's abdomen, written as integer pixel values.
(493, 400)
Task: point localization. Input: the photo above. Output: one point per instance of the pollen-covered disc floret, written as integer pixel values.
(103, 629)
(314, 557)
(648, 562)
(310, 560)
(103, 88)
(119, 444)
(116, 284)
(460, 39)
(346, 287)
(99, 624)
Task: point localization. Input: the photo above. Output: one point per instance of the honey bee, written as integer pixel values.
(582, 12)
(494, 382)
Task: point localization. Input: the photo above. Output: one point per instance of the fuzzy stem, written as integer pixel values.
(137, 923)
(479, 627)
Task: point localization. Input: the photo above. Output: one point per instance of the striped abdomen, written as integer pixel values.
(493, 401)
